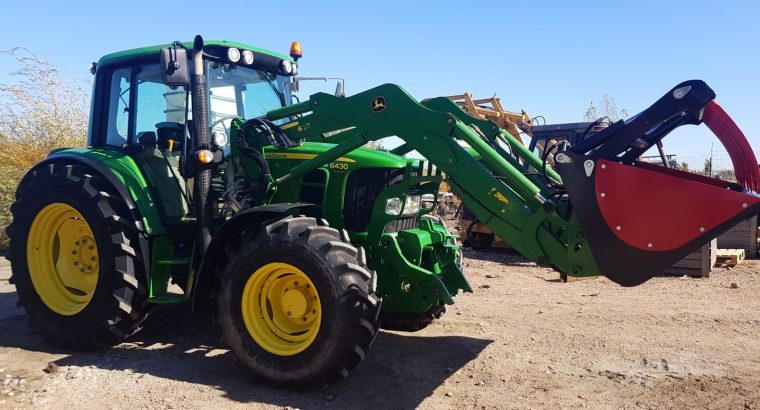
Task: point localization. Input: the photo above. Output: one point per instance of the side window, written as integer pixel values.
(118, 110)
(157, 103)
(158, 108)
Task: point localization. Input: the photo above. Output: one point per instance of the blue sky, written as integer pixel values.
(547, 57)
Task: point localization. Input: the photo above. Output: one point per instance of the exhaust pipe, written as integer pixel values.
(201, 142)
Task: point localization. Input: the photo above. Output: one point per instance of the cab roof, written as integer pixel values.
(154, 50)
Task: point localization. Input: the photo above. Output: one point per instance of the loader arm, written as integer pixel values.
(493, 187)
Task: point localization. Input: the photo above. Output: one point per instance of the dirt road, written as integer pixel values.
(522, 340)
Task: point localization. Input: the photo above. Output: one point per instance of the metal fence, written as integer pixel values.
(718, 164)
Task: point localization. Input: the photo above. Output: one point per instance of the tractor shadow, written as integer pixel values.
(497, 255)
(400, 371)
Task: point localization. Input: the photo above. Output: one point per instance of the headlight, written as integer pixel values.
(412, 205)
(287, 66)
(248, 57)
(393, 206)
(233, 54)
(220, 138)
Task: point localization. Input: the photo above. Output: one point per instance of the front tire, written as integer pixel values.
(74, 258)
(297, 304)
(411, 322)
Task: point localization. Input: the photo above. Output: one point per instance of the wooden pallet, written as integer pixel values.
(729, 257)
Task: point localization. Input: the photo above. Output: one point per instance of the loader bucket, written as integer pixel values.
(641, 218)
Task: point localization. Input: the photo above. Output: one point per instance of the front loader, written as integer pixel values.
(580, 219)
(202, 181)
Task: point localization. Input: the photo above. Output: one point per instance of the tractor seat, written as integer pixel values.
(148, 139)
(170, 131)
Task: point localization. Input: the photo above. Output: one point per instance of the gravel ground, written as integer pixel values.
(523, 339)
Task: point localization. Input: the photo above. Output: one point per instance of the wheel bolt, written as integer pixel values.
(314, 311)
(308, 286)
(76, 243)
(295, 283)
(73, 252)
(289, 314)
(92, 258)
(303, 319)
(92, 247)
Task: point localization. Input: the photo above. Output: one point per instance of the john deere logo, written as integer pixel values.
(378, 104)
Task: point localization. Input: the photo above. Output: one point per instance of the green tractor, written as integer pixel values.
(177, 199)
(204, 181)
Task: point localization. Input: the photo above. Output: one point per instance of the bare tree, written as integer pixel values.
(607, 108)
(40, 111)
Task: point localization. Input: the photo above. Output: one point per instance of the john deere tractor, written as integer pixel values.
(204, 181)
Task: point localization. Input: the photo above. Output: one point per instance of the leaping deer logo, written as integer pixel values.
(378, 104)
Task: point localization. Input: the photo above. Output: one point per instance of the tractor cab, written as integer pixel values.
(136, 110)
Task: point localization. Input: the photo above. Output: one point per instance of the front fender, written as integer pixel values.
(245, 219)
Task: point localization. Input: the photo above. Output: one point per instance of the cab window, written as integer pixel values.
(141, 106)
(118, 112)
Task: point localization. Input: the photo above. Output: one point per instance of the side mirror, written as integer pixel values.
(294, 84)
(175, 67)
(339, 89)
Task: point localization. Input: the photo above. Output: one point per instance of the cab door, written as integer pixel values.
(146, 120)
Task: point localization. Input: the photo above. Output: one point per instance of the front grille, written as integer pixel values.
(406, 222)
(362, 189)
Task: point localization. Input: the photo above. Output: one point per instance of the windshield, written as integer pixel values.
(242, 92)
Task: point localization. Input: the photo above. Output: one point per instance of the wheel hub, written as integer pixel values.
(281, 309)
(63, 258)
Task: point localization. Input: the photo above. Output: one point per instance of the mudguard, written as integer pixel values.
(124, 175)
(245, 219)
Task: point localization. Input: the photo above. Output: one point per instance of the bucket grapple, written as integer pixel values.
(640, 218)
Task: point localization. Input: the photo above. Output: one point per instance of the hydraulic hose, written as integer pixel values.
(262, 186)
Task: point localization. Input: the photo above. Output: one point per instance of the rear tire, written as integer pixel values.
(297, 303)
(75, 205)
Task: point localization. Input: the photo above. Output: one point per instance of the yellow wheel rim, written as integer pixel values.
(62, 257)
(281, 309)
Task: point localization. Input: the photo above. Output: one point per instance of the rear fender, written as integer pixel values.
(124, 181)
(124, 175)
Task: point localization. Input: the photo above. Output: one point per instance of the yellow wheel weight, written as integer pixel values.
(62, 258)
(281, 309)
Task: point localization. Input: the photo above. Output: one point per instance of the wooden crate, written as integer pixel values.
(699, 263)
(742, 236)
